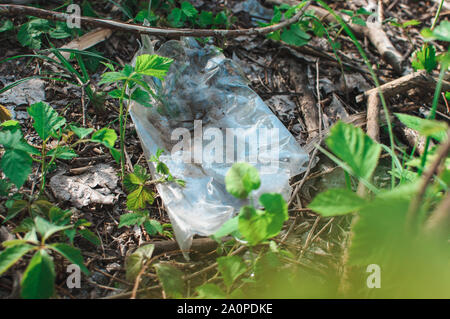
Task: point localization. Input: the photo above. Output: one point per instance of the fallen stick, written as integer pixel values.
(419, 79)
(86, 41)
(19, 10)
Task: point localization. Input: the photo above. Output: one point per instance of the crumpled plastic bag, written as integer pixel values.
(205, 90)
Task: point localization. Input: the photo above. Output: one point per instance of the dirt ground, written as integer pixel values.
(286, 79)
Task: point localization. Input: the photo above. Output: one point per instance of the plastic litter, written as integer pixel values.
(205, 90)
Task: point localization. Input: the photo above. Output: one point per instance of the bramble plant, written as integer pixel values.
(39, 276)
(17, 161)
(131, 86)
(137, 184)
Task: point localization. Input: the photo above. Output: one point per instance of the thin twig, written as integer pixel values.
(19, 10)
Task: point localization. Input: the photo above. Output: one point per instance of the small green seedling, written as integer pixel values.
(17, 161)
(38, 278)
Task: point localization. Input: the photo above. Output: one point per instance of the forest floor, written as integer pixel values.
(292, 81)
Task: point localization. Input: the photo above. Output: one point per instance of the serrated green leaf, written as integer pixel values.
(359, 21)
(142, 97)
(17, 207)
(425, 58)
(254, 225)
(171, 280)
(210, 291)
(337, 201)
(378, 232)
(46, 229)
(188, 9)
(112, 77)
(46, 119)
(131, 219)
(62, 152)
(175, 18)
(71, 254)
(231, 267)
(434, 129)
(205, 19)
(90, 236)
(153, 65)
(241, 179)
(139, 198)
(7, 26)
(39, 277)
(12, 254)
(30, 33)
(17, 165)
(442, 31)
(81, 132)
(162, 169)
(295, 36)
(231, 226)
(105, 136)
(355, 148)
(153, 227)
(136, 260)
(11, 137)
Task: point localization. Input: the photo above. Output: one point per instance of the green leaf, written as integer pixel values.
(336, 201)
(112, 77)
(254, 224)
(131, 219)
(355, 148)
(162, 168)
(231, 267)
(72, 254)
(152, 227)
(105, 136)
(241, 179)
(275, 205)
(81, 132)
(425, 58)
(378, 232)
(442, 31)
(30, 33)
(11, 255)
(359, 21)
(16, 165)
(139, 198)
(175, 18)
(11, 137)
(205, 19)
(16, 208)
(46, 119)
(221, 19)
(231, 226)
(434, 129)
(46, 229)
(136, 260)
(188, 9)
(62, 152)
(7, 26)
(90, 236)
(138, 178)
(39, 277)
(153, 65)
(295, 35)
(171, 280)
(210, 291)
(142, 97)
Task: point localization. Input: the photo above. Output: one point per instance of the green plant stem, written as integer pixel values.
(438, 12)
(374, 77)
(43, 165)
(437, 93)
